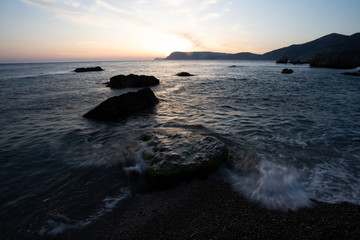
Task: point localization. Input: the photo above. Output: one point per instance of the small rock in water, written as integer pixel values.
(184, 74)
(287, 71)
(89, 69)
(173, 155)
(356, 74)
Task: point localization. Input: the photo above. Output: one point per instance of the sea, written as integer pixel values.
(60, 171)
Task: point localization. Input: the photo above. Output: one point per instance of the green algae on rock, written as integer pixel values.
(174, 156)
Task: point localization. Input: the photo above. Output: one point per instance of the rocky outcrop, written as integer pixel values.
(356, 74)
(283, 59)
(132, 81)
(341, 60)
(287, 71)
(119, 106)
(184, 74)
(89, 69)
(172, 156)
(303, 52)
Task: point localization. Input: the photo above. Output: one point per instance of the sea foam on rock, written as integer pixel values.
(178, 155)
(115, 107)
(132, 81)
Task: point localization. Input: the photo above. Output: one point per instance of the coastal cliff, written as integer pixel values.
(301, 52)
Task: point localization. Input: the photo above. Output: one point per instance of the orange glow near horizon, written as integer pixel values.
(72, 30)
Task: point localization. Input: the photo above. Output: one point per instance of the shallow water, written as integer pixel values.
(59, 171)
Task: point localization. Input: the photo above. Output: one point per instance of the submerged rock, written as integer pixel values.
(172, 156)
(115, 107)
(283, 59)
(356, 74)
(242, 161)
(287, 71)
(184, 74)
(132, 81)
(89, 69)
(295, 62)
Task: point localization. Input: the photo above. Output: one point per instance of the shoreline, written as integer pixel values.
(209, 209)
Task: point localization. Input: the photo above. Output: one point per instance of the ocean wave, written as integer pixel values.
(272, 185)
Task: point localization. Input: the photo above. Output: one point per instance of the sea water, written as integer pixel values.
(60, 171)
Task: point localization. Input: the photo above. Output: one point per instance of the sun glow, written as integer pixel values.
(164, 44)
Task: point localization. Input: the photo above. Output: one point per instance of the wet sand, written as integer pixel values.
(209, 209)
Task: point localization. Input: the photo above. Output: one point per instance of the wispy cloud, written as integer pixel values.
(182, 18)
(112, 8)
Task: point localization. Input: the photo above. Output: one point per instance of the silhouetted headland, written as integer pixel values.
(319, 52)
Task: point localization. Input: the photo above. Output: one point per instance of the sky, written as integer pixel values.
(86, 30)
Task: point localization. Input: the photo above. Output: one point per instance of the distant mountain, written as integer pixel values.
(330, 43)
(211, 56)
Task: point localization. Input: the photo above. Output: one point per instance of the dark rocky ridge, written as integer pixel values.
(119, 106)
(297, 52)
(211, 56)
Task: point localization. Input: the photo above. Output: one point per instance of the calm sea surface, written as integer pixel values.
(59, 171)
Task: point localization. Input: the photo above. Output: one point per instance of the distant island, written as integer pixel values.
(335, 45)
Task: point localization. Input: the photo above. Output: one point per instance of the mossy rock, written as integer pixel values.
(183, 155)
(145, 137)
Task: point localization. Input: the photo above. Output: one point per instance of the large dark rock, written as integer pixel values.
(177, 155)
(132, 81)
(341, 60)
(184, 74)
(89, 69)
(116, 107)
(283, 59)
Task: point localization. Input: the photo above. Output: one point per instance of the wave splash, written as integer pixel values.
(272, 185)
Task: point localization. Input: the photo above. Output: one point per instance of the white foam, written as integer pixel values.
(333, 183)
(53, 227)
(272, 185)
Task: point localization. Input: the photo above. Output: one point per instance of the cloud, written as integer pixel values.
(182, 18)
(208, 3)
(74, 4)
(112, 8)
(194, 40)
